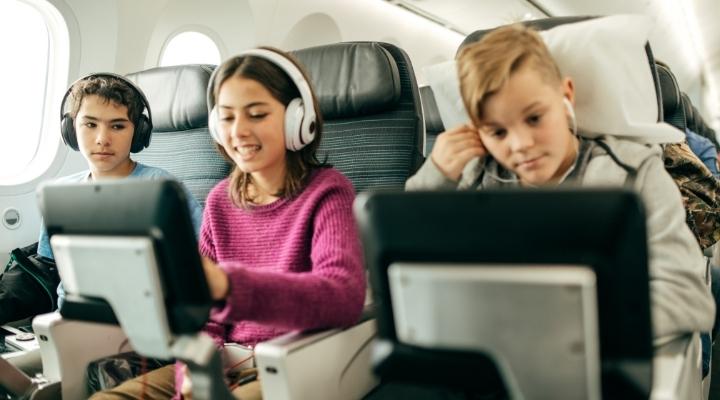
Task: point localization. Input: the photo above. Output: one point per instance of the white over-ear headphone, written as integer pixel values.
(571, 113)
(300, 118)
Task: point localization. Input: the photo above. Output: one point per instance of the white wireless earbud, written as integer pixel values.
(571, 114)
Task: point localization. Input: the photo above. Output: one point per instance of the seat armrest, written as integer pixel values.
(48, 391)
(327, 365)
(28, 361)
(26, 354)
(677, 369)
(67, 347)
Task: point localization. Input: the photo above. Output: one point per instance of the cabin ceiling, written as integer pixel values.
(459, 15)
(668, 43)
(708, 12)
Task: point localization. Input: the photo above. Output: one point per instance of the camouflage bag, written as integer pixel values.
(700, 192)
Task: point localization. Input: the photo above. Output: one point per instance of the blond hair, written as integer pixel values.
(485, 66)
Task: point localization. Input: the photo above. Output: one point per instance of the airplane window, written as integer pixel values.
(25, 36)
(190, 48)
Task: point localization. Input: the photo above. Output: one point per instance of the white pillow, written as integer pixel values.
(614, 87)
(445, 85)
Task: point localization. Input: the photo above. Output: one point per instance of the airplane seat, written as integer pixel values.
(433, 122)
(676, 364)
(688, 108)
(549, 23)
(696, 119)
(690, 119)
(673, 111)
(180, 144)
(370, 104)
(177, 98)
(180, 127)
(674, 114)
(372, 133)
(709, 133)
(696, 123)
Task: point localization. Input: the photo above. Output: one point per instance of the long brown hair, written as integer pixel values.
(282, 88)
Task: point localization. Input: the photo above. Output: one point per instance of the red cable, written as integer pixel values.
(143, 372)
(239, 363)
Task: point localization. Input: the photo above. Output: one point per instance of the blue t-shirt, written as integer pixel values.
(140, 171)
(704, 149)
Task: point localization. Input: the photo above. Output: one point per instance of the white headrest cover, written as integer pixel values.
(614, 87)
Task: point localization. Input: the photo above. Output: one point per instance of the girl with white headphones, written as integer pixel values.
(278, 238)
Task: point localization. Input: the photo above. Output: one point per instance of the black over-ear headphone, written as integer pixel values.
(143, 125)
(300, 118)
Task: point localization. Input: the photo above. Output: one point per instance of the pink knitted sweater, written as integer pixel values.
(293, 264)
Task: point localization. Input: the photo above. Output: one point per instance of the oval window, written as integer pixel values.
(190, 48)
(24, 82)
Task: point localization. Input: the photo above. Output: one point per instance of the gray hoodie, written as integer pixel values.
(681, 300)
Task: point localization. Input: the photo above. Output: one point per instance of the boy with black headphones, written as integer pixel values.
(106, 117)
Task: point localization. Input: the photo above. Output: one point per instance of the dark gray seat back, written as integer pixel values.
(673, 111)
(433, 122)
(181, 143)
(371, 109)
(695, 122)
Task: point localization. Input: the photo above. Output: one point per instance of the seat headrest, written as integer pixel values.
(702, 128)
(669, 89)
(673, 112)
(545, 24)
(611, 64)
(705, 129)
(695, 121)
(689, 111)
(709, 133)
(431, 114)
(352, 79)
(177, 95)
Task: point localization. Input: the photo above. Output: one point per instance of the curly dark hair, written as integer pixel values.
(109, 88)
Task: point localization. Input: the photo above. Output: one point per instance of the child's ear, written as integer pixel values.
(568, 89)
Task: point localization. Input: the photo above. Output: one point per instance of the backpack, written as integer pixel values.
(700, 192)
(28, 285)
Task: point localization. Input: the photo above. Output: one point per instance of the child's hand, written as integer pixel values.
(186, 389)
(455, 148)
(217, 279)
